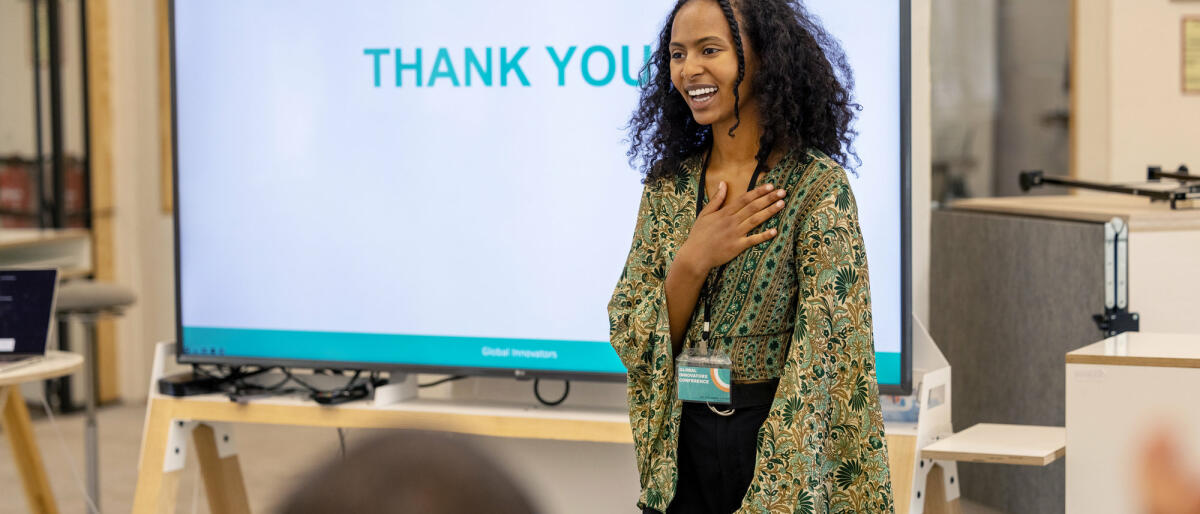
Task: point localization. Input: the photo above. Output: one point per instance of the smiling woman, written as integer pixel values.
(748, 257)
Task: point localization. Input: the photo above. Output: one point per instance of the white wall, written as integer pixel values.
(1130, 109)
(144, 246)
(1033, 55)
(963, 54)
(922, 140)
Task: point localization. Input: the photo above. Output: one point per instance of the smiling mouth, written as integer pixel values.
(701, 96)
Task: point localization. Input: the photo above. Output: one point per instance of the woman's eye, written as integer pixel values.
(710, 51)
(677, 55)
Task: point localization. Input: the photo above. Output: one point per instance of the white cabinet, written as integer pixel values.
(1119, 392)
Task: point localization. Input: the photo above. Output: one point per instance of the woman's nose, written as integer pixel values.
(691, 68)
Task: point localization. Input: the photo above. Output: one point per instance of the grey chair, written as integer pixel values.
(87, 301)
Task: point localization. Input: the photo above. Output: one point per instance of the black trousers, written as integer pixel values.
(716, 459)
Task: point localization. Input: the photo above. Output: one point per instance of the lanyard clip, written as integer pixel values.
(705, 333)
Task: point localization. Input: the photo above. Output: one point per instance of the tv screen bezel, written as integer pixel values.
(903, 388)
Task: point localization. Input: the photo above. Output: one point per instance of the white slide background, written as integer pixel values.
(312, 200)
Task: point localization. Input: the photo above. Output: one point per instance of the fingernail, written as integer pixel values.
(781, 193)
(770, 187)
(773, 231)
(779, 204)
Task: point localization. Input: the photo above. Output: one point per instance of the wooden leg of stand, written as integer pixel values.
(17, 426)
(902, 453)
(935, 486)
(156, 490)
(222, 476)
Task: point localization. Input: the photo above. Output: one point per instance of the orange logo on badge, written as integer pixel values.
(716, 378)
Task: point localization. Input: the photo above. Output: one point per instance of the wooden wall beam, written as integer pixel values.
(100, 130)
(165, 126)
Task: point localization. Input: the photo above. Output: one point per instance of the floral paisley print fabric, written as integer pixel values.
(797, 307)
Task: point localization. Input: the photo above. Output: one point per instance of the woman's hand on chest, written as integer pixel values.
(722, 230)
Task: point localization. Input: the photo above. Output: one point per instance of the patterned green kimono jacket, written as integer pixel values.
(797, 307)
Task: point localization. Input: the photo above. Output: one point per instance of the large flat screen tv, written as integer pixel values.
(443, 186)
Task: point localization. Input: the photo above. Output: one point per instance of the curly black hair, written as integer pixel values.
(803, 85)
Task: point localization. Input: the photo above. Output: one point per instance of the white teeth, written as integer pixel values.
(702, 92)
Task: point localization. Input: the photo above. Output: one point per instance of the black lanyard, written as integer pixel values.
(713, 280)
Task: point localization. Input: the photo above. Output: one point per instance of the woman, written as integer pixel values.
(747, 221)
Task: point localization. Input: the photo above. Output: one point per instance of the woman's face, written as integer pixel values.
(704, 64)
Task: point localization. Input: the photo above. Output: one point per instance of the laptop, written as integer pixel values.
(27, 299)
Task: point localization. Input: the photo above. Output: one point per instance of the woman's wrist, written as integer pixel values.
(687, 264)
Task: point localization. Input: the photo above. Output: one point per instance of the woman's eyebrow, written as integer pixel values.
(701, 41)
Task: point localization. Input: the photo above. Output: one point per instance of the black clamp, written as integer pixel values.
(1117, 321)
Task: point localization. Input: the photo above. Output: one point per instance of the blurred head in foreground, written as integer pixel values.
(1169, 484)
(412, 473)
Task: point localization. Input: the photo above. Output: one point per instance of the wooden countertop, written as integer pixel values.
(53, 364)
(1002, 444)
(1142, 349)
(1139, 213)
(21, 237)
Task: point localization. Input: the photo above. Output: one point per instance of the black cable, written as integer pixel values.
(352, 390)
(234, 377)
(34, 11)
(342, 442)
(240, 384)
(237, 376)
(87, 116)
(228, 372)
(242, 375)
(198, 369)
(443, 381)
(538, 395)
(351, 384)
(293, 378)
(241, 389)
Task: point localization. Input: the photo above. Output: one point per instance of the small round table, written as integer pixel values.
(17, 427)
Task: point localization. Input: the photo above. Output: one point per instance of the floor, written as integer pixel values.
(273, 458)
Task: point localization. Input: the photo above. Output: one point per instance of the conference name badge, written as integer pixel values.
(703, 378)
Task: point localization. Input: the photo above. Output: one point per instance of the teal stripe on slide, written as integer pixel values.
(449, 351)
(887, 368)
(445, 351)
